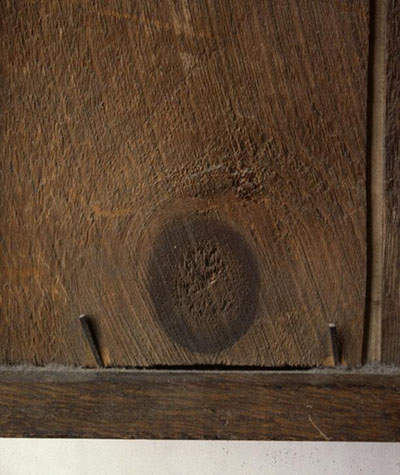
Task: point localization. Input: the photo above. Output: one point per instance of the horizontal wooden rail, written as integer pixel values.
(301, 405)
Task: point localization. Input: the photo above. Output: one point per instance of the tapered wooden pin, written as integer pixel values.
(91, 339)
(334, 344)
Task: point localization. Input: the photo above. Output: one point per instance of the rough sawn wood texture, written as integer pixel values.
(190, 174)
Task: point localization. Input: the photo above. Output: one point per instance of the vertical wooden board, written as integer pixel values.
(391, 240)
(191, 174)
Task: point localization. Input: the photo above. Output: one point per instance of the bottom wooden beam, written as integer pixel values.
(310, 405)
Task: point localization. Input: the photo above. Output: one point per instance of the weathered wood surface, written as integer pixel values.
(391, 242)
(190, 174)
(201, 405)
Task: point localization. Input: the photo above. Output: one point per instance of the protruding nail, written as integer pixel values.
(334, 344)
(90, 337)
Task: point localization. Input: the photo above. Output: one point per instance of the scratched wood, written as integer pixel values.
(200, 405)
(391, 240)
(189, 174)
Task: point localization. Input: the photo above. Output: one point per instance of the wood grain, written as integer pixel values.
(232, 130)
(391, 242)
(375, 199)
(200, 405)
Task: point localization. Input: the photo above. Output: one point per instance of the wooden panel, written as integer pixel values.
(191, 174)
(202, 405)
(391, 243)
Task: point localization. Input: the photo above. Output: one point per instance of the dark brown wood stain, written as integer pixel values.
(204, 282)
